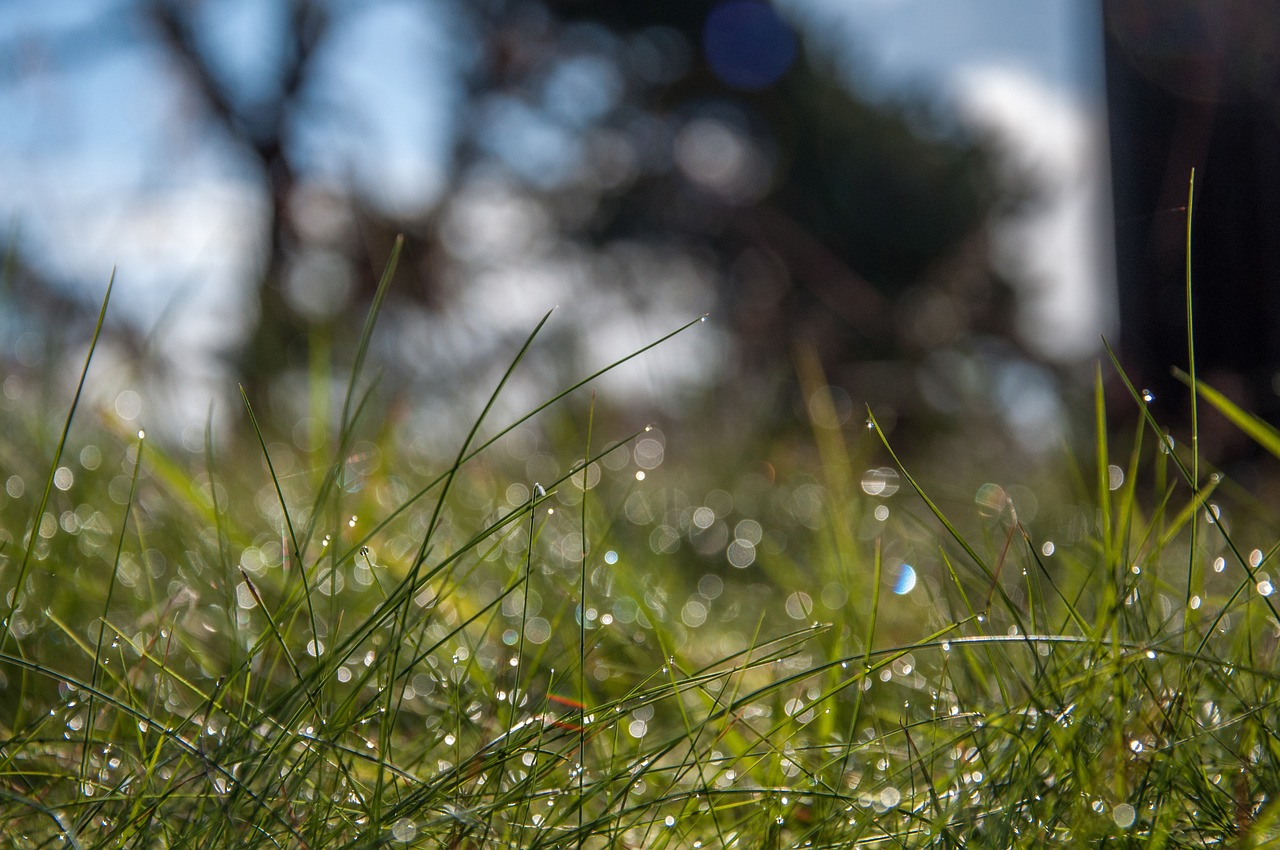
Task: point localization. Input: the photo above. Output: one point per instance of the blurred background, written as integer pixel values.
(911, 199)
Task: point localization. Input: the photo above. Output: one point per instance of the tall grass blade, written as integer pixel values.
(14, 599)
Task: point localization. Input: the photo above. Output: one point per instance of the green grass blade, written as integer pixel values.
(15, 599)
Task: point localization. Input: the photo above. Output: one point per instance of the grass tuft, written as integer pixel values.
(406, 650)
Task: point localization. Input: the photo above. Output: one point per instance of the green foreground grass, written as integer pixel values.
(355, 647)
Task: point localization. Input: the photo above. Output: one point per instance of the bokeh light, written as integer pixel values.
(748, 46)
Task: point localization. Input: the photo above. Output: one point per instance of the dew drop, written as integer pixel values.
(906, 580)
(1124, 815)
(404, 830)
(538, 490)
(142, 435)
(1148, 396)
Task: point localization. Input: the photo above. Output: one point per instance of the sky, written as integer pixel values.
(75, 147)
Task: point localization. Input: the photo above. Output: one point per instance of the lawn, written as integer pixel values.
(548, 633)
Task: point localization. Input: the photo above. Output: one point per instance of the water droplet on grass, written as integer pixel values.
(1124, 815)
(404, 830)
(906, 580)
(1148, 396)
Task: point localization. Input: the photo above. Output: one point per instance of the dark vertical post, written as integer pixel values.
(1196, 83)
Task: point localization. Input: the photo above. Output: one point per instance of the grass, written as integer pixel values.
(360, 646)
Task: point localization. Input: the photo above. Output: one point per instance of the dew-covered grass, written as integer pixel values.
(520, 640)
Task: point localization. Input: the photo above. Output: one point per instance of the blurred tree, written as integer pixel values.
(711, 129)
(263, 119)
(648, 157)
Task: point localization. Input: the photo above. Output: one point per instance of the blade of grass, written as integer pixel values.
(15, 597)
(1257, 429)
(106, 608)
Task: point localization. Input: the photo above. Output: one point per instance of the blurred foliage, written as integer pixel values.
(630, 159)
